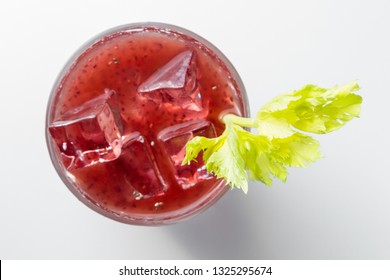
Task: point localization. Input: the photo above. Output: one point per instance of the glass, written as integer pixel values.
(121, 112)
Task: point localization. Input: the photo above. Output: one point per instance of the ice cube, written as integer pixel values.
(89, 133)
(175, 138)
(139, 165)
(175, 83)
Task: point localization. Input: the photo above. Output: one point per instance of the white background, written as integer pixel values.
(338, 208)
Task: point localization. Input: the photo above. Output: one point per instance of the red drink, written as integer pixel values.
(122, 111)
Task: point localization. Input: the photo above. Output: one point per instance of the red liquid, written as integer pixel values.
(122, 114)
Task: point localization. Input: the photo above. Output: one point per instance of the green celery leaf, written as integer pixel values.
(221, 157)
(311, 109)
(265, 157)
(257, 151)
(277, 144)
(298, 150)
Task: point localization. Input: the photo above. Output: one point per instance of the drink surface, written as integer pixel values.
(122, 114)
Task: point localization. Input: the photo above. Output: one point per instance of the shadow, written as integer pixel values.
(227, 230)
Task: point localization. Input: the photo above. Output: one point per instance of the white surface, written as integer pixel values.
(338, 208)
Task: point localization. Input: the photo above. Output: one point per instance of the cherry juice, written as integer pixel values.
(122, 111)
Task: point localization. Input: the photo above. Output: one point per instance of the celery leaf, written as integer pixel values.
(310, 109)
(280, 141)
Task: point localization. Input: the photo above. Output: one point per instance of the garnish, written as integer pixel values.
(280, 141)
